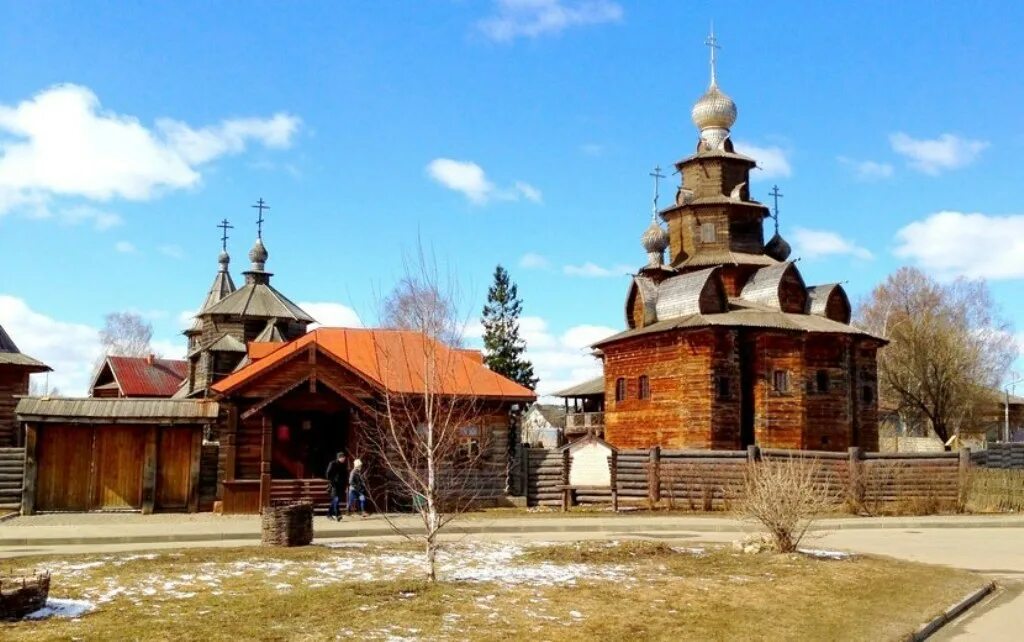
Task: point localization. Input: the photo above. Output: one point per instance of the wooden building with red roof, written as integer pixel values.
(295, 405)
(147, 376)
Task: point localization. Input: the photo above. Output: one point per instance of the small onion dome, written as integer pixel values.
(223, 259)
(714, 110)
(654, 239)
(778, 248)
(258, 254)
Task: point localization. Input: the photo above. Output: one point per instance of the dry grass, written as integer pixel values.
(653, 592)
(995, 490)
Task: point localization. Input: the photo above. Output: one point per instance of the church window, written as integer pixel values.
(867, 394)
(780, 381)
(822, 382)
(723, 387)
(643, 387)
(707, 232)
(620, 389)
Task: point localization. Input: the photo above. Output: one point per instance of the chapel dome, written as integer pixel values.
(258, 253)
(654, 239)
(778, 248)
(714, 110)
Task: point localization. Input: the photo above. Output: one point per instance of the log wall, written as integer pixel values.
(12, 475)
(1006, 456)
(13, 381)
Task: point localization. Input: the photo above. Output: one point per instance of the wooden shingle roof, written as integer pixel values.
(106, 411)
(11, 356)
(258, 300)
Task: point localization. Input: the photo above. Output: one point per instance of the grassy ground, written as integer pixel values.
(581, 591)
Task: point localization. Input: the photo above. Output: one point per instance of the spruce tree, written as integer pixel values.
(503, 348)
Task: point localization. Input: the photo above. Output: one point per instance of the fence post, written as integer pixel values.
(964, 480)
(654, 476)
(753, 453)
(856, 487)
(524, 470)
(566, 491)
(613, 463)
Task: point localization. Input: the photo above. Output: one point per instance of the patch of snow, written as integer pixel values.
(826, 555)
(63, 608)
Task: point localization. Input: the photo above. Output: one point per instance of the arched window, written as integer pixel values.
(620, 389)
(643, 387)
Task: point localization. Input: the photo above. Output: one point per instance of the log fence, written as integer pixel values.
(715, 479)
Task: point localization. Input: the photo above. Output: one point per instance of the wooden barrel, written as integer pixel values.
(20, 596)
(288, 524)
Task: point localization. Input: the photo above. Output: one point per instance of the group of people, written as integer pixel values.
(338, 477)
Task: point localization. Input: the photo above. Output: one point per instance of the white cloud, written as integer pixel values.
(592, 270)
(186, 318)
(100, 219)
(813, 244)
(61, 142)
(125, 247)
(331, 315)
(959, 244)
(70, 349)
(470, 180)
(867, 170)
(772, 162)
(173, 251)
(534, 18)
(933, 156)
(592, 149)
(534, 261)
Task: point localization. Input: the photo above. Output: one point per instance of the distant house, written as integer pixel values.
(543, 425)
(584, 408)
(139, 377)
(900, 433)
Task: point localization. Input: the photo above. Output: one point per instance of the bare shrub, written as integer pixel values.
(785, 496)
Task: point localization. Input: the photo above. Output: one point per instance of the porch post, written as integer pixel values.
(197, 462)
(28, 493)
(149, 471)
(265, 463)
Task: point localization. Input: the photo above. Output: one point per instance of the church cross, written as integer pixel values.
(260, 205)
(776, 195)
(224, 227)
(657, 175)
(712, 44)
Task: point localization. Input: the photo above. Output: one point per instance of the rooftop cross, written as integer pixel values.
(260, 205)
(657, 175)
(776, 195)
(712, 44)
(224, 227)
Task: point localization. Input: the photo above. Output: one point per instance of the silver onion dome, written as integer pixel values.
(655, 242)
(258, 255)
(714, 110)
(778, 248)
(223, 259)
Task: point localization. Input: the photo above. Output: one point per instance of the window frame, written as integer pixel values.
(723, 388)
(643, 387)
(781, 383)
(620, 389)
(708, 232)
(822, 376)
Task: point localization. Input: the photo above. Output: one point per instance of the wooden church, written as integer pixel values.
(726, 346)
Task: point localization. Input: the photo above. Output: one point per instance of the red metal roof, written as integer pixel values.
(394, 360)
(147, 377)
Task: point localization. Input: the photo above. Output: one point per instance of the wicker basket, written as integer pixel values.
(288, 525)
(20, 596)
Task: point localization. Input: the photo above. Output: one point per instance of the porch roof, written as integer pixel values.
(393, 360)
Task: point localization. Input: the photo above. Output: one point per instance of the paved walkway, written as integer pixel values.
(989, 545)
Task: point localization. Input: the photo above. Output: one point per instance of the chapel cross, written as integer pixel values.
(712, 44)
(260, 205)
(224, 227)
(657, 175)
(776, 195)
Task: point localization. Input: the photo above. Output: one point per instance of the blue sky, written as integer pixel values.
(512, 131)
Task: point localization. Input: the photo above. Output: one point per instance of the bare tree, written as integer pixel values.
(785, 496)
(417, 301)
(429, 441)
(949, 348)
(126, 334)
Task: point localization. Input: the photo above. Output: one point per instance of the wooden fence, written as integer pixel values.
(715, 479)
(1006, 456)
(12, 477)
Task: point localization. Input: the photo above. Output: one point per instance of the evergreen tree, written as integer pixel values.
(503, 348)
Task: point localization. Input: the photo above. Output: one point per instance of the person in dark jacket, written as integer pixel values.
(337, 475)
(357, 488)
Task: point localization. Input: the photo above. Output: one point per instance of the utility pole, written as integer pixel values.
(1006, 410)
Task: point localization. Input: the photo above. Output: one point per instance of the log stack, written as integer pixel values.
(288, 524)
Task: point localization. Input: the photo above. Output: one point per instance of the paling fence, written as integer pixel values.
(1005, 456)
(715, 479)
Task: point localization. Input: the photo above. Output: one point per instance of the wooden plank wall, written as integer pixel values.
(13, 381)
(12, 475)
(208, 462)
(714, 480)
(1005, 456)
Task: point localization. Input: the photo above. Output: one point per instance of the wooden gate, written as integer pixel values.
(174, 467)
(118, 458)
(65, 461)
